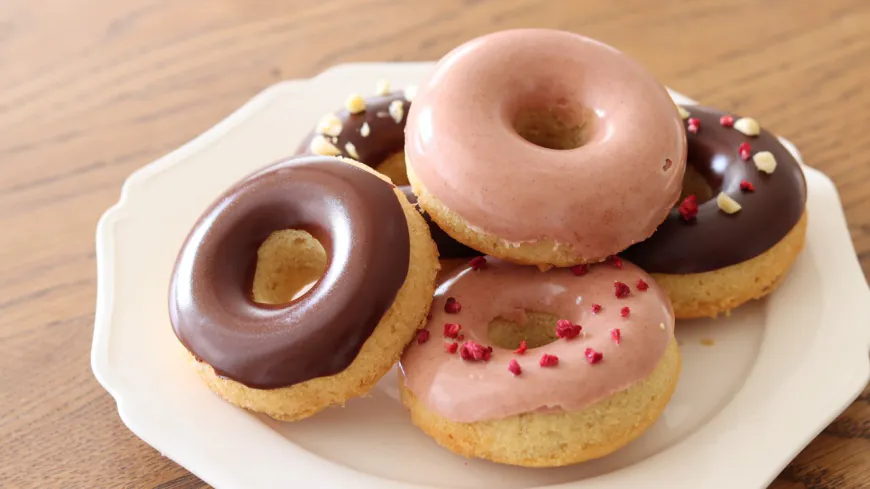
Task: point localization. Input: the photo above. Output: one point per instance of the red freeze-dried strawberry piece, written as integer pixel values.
(593, 356)
(615, 335)
(694, 125)
(422, 336)
(745, 151)
(615, 261)
(747, 186)
(514, 367)
(625, 311)
(580, 270)
(549, 360)
(642, 285)
(596, 308)
(726, 121)
(451, 330)
(478, 263)
(460, 337)
(452, 306)
(689, 207)
(522, 348)
(621, 290)
(564, 329)
(451, 347)
(475, 352)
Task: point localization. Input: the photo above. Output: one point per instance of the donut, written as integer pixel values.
(741, 223)
(544, 147)
(371, 131)
(495, 379)
(374, 269)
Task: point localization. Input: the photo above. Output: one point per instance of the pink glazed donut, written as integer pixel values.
(489, 388)
(544, 147)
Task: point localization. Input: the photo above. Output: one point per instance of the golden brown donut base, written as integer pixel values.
(556, 439)
(544, 252)
(709, 294)
(299, 253)
(394, 167)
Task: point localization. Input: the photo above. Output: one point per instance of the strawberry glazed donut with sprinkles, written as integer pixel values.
(541, 368)
(544, 147)
(741, 223)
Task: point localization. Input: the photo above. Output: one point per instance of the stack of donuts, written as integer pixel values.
(519, 235)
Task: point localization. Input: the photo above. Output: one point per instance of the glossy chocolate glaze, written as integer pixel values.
(359, 221)
(385, 138)
(714, 239)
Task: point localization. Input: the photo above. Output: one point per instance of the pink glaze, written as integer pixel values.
(599, 198)
(476, 391)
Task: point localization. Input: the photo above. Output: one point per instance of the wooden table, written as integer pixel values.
(91, 90)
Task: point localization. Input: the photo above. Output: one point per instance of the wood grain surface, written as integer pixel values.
(90, 90)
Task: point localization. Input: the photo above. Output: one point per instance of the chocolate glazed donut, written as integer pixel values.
(361, 225)
(374, 134)
(371, 137)
(714, 239)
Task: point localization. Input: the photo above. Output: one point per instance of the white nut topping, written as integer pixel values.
(748, 126)
(764, 161)
(320, 145)
(351, 150)
(726, 203)
(355, 103)
(383, 87)
(684, 114)
(410, 92)
(365, 130)
(661, 325)
(329, 125)
(397, 110)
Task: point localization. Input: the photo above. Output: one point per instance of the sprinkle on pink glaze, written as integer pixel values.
(620, 289)
(615, 261)
(422, 336)
(567, 330)
(468, 391)
(462, 146)
(580, 270)
(548, 360)
(593, 356)
(514, 367)
(451, 330)
(475, 352)
(451, 306)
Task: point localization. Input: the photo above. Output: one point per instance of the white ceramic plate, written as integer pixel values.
(777, 373)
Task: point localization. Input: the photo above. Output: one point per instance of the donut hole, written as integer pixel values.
(289, 263)
(536, 328)
(557, 127)
(697, 184)
(394, 167)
